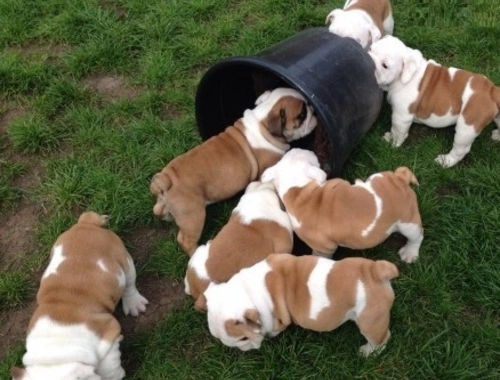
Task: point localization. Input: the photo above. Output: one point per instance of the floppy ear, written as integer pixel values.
(332, 15)
(201, 304)
(410, 62)
(263, 97)
(17, 373)
(268, 175)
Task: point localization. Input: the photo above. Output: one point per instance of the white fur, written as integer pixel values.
(132, 301)
(55, 261)
(413, 232)
(198, 261)
(296, 168)
(399, 71)
(378, 202)
(62, 352)
(357, 24)
(316, 284)
(245, 290)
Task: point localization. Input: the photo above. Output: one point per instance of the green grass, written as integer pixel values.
(100, 153)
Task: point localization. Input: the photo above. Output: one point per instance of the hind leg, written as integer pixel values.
(132, 301)
(375, 328)
(413, 231)
(495, 135)
(190, 224)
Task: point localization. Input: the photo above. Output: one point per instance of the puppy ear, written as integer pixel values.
(268, 175)
(263, 97)
(17, 373)
(201, 304)
(410, 64)
(332, 15)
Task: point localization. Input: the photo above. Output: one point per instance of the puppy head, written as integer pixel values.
(234, 324)
(285, 113)
(355, 24)
(296, 168)
(394, 61)
(94, 218)
(159, 186)
(76, 371)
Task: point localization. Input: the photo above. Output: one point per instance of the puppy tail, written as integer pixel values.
(407, 175)
(160, 183)
(383, 270)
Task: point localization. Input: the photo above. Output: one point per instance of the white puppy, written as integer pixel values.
(72, 334)
(366, 21)
(425, 92)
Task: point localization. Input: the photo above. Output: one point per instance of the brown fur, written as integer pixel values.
(83, 245)
(439, 93)
(239, 246)
(337, 212)
(378, 10)
(218, 169)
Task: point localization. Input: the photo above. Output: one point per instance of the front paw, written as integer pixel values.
(445, 160)
(393, 139)
(133, 304)
(408, 255)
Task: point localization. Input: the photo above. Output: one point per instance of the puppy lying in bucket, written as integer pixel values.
(225, 164)
(425, 92)
(73, 334)
(313, 292)
(326, 214)
(257, 227)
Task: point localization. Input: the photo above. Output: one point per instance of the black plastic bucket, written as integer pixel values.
(334, 74)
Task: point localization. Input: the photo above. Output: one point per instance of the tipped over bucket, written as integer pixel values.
(334, 74)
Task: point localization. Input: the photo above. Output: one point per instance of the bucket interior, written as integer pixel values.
(225, 93)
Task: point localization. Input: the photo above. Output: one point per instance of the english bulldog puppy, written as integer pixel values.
(423, 91)
(366, 21)
(258, 226)
(72, 333)
(327, 214)
(313, 292)
(226, 163)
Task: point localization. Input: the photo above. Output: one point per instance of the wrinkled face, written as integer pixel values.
(230, 322)
(291, 118)
(387, 54)
(351, 24)
(159, 187)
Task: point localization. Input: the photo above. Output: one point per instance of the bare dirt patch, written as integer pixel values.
(111, 87)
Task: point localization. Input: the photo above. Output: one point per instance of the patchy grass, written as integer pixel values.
(97, 96)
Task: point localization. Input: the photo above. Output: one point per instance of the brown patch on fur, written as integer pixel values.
(379, 10)
(439, 93)
(287, 114)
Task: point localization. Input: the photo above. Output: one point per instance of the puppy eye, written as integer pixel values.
(243, 339)
(384, 65)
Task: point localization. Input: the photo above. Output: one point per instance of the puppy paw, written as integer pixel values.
(367, 349)
(395, 140)
(134, 303)
(495, 135)
(387, 136)
(408, 255)
(445, 160)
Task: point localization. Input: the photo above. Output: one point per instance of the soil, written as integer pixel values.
(19, 224)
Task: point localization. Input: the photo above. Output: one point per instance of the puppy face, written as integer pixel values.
(354, 24)
(285, 113)
(231, 322)
(394, 61)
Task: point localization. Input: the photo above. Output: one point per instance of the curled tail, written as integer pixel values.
(94, 218)
(407, 175)
(160, 183)
(383, 270)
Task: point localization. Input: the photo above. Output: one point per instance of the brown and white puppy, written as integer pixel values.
(425, 92)
(313, 292)
(225, 164)
(73, 334)
(327, 214)
(364, 20)
(257, 227)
